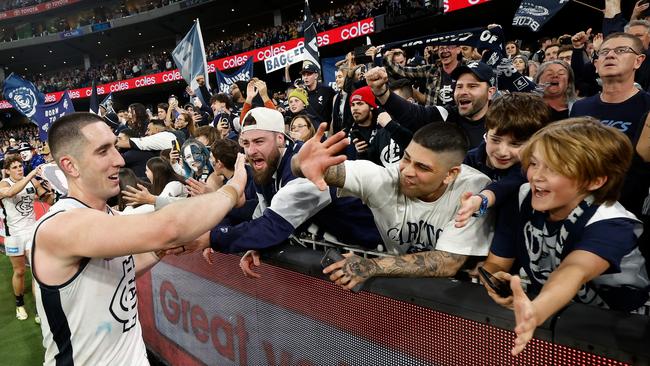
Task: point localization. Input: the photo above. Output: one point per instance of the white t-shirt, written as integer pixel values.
(409, 225)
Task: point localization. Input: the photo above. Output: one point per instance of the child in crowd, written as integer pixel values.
(510, 121)
(568, 233)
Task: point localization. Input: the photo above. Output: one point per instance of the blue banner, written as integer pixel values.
(329, 70)
(535, 13)
(46, 114)
(22, 95)
(245, 73)
(189, 56)
(71, 33)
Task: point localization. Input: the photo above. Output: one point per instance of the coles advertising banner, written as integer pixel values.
(336, 35)
(451, 5)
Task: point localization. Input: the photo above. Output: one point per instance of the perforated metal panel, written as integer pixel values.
(195, 314)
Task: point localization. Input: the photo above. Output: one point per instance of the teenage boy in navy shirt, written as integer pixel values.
(510, 121)
(568, 232)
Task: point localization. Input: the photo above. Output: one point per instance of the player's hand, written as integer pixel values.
(315, 157)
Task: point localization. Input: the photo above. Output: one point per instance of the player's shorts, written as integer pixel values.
(16, 245)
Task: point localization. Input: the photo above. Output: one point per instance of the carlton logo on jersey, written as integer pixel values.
(125, 299)
(26, 204)
(420, 236)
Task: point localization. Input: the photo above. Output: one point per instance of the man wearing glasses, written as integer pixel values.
(620, 104)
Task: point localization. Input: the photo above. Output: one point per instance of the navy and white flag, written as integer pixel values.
(481, 38)
(22, 95)
(244, 73)
(94, 102)
(107, 103)
(311, 43)
(46, 114)
(535, 13)
(189, 56)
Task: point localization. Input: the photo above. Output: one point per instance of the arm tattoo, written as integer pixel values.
(360, 267)
(335, 176)
(434, 263)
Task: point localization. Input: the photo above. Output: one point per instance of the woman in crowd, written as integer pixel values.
(139, 118)
(520, 62)
(512, 49)
(556, 77)
(185, 123)
(164, 182)
(301, 128)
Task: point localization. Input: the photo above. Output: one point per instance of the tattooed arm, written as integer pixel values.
(353, 270)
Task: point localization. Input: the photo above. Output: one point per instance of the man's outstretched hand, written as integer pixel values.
(315, 157)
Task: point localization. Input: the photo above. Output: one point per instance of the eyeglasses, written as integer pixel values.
(295, 127)
(618, 50)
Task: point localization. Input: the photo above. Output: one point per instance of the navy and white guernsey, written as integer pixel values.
(609, 231)
(92, 319)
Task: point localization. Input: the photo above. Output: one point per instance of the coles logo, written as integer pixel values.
(323, 40)
(119, 86)
(234, 61)
(145, 81)
(171, 76)
(269, 52)
(358, 29)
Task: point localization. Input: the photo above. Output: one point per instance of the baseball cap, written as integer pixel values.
(24, 146)
(364, 95)
(481, 70)
(262, 118)
(309, 67)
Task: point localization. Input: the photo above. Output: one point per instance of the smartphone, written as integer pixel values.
(356, 134)
(175, 146)
(502, 288)
(332, 256)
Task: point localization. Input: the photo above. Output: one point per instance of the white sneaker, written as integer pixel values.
(37, 319)
(21, 314)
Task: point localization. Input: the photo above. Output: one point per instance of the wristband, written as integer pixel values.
(484, 205)
(229, 192)
(382, 94)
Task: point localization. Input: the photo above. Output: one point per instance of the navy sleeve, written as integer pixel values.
(610, 239)
(507, 186)
(411, 116)
(270, 226)
(504, 243)
(399, 134)
(613, 25)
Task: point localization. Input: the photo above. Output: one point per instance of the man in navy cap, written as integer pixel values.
(320, 96)
(31, 161)
(474, 87)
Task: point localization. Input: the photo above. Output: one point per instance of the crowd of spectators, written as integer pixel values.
(101, 14)
(152, 62)
(439, 164)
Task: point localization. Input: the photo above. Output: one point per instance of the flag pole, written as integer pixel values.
(587, 5)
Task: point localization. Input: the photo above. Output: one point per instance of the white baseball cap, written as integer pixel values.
(262, 118)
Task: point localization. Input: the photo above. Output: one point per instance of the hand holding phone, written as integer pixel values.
(502, 288)
(332, 256)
